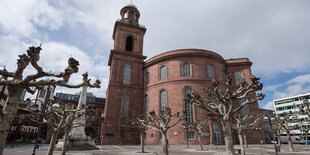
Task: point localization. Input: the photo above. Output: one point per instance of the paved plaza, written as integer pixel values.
(266, 149)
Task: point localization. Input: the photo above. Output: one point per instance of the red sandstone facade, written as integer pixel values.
(145, 86)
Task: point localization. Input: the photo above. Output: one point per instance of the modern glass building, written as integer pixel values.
(291, 104)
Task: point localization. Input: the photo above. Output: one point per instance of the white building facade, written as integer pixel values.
(291, 104)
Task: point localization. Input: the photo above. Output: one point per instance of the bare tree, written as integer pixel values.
(284, 123)
(242, 125)
(163, 122)
(197, 128)
(57, 120)
(304, 125)
(277, 128)
(140, 123)
(16, 83)
(223, 107)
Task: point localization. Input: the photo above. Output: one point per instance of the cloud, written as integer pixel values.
(295, 86)
(272, 87)
(20, 18)
(53, 57)
(269, 106)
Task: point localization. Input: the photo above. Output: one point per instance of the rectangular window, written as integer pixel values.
(210, 70)
(127, 74)
(42, 93)
(190, 135)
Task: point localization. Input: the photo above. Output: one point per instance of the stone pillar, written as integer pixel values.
(78, 133)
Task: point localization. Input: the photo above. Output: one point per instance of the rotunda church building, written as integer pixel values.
(139, 86)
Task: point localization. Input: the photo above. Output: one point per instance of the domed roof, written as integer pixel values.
(131, 5)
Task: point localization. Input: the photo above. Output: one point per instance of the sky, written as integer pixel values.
(274, 35)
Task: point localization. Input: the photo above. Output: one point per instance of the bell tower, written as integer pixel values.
(125, 89)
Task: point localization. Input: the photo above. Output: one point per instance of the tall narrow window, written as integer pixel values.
(147, 78)
(130, 14)
(163, 72)
(125, 106)
(238, 77)
(188, 107)
(186, 69)
(245, 109)
(145, 105)
(129, 42)
(163, 100)
(213, 98)
(127, 74)
(210, 70)
(216, 133)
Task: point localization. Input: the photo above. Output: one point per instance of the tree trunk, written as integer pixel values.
(7, 116)
(53, 143)
(228, 137)
(241, 144)
(279, 141)
(165, 143)
(66, 138)
(307, 138)
(245, 141)
(199, 140)
(142, 142)
(290, 144)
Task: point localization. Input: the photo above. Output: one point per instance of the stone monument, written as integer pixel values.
(77, 135)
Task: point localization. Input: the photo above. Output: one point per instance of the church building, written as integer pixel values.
(139, 86)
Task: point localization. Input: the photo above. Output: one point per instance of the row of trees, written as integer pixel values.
(16, 83)
(292, 121)
(223, 109)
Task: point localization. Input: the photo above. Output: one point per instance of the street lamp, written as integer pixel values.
(270, 124)
(34, 107)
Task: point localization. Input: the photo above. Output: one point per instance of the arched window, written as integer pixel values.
(130, 14)
(125, 106)
(216, 133)
(186, 69)
(210, 70)
(189, 114)
(127, 74)
(163, 72)
(238, 77)
(163, 100)
(129, 42)
(126, 15)
(145, 105)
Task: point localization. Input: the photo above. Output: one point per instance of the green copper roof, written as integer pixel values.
(132, 5)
